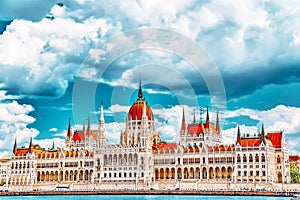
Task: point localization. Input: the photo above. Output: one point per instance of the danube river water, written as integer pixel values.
(140, 197)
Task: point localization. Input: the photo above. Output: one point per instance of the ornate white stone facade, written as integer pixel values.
(142, 160)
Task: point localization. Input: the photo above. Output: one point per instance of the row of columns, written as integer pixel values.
(191, 173)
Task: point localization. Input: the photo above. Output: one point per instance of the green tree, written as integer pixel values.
(295, 174)
(2, 182)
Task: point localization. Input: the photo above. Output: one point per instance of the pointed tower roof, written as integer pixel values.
(15, 146)
(207, 118)
(88, 125)
(262, 130)
(263, 139)
(53, 145)
(183, 123)
(238, 139)
(69, 134)
(83, 126)
(101, 112)
(30, 145)
(218, 129)
(194, 119)
(140, 94)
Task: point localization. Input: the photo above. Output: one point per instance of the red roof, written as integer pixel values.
(275, 138)
(168, 145)
(221, 148)
(78, 136)
(294, 158)
(250, 142)
(195, 129)
(136, 110)
(94, 135)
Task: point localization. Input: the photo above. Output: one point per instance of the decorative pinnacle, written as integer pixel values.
(140, 95)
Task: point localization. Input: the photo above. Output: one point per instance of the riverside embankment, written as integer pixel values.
(148, 192)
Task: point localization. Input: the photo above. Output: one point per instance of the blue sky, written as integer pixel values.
(54, 61)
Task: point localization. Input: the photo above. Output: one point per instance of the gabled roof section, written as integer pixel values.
(276, 138)
(78, 136)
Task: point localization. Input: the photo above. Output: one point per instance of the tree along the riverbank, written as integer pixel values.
(295, 174)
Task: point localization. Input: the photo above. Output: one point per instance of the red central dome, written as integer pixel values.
(137, 109)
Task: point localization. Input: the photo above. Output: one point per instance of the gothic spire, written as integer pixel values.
(101, 112)
(207, 118)
(140, 95)
(83, 126)
(194, 120)
(30, 145)
(183, 123)
(263, 134)
(238, 139)
(218, 129)
(88, 125)
(69, 134)
(15, 147)
(262, 130)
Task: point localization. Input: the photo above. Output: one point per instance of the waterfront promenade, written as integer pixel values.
(151, 192)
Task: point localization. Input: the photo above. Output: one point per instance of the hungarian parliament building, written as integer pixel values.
(142, 160)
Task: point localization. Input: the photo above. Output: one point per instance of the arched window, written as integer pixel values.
(278, 159)
(250, 158)
(256, 158)
(244, 158)
(238, 158)
(263, 158)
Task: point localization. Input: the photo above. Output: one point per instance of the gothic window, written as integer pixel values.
(250, 158)
(142, 160)
(256, 158)
(263, 159)
(278, 159)
(238, 158)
